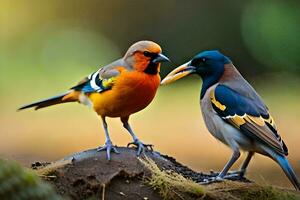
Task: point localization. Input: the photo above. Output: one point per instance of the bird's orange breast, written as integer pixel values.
(132, 92)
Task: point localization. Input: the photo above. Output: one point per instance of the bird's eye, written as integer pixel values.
(199, 61)
(147, 54)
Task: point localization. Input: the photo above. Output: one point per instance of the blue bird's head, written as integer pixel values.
(207, 64)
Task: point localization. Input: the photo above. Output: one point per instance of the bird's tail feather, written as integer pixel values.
(288, 170)
(47, 102)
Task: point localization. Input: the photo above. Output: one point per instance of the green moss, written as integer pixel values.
(249, 191)
(19, 183)
(267, 193)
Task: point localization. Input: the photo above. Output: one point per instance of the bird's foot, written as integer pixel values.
(215, 176)
(235, 174)
(141, 147)
(109, 147)
(213, 179)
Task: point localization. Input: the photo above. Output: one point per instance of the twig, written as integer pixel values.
(103, 191)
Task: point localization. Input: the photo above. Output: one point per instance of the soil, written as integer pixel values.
(88, 175)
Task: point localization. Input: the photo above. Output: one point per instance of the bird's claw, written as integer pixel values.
(235, 174)
(213, 179)
(141, 147)
(109, 147)
(229, 176)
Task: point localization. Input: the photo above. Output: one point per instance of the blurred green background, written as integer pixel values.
(48, 46)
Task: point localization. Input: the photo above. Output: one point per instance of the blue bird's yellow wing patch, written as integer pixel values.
(251, 117)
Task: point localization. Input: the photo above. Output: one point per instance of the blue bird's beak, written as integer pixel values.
(178, 73)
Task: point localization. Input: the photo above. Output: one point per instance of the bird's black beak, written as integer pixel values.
(160, 58)
(178, 73)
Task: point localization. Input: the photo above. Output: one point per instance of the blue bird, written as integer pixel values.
(234, 113)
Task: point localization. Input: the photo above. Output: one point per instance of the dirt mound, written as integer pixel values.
(88, 175)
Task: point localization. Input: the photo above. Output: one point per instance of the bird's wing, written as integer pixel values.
(248, 115)
(101, 80)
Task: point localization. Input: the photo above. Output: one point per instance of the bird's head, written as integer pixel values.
(208, 64)
(145, 56)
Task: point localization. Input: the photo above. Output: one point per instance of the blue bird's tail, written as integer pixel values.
(46, 102)
(288, 170)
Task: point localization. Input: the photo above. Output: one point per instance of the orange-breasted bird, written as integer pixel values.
(234, 113)
(119, 89)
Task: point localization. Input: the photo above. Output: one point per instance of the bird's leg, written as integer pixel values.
(244, 166)
(246, 163)
(140, 146)
(108, 143)
(235, 155)
(241, 172)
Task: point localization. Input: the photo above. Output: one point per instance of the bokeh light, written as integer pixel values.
(271, 31)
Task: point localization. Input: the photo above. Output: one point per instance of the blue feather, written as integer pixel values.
(237, 104)
(288, 170)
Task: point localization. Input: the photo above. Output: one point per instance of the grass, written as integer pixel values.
(172, 185)
(47, 170)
